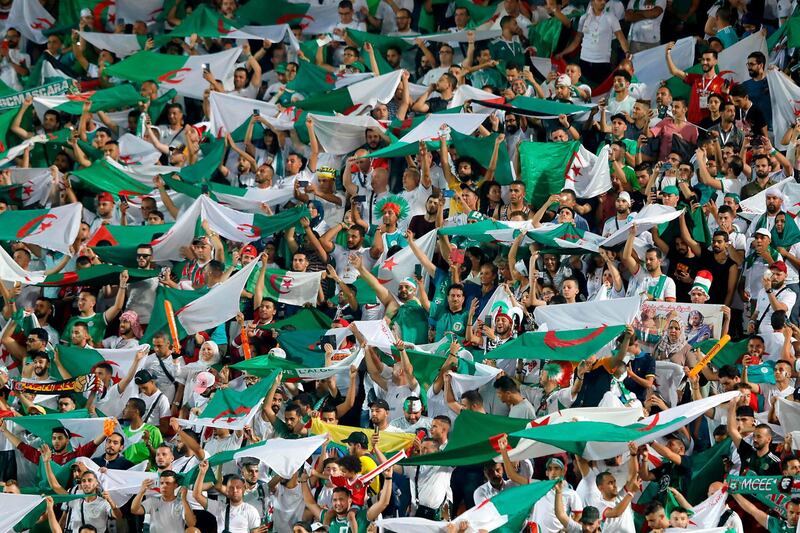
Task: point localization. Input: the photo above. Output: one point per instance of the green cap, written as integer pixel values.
(671, 189)
(359, 66)
(734, 196)
(281, 68)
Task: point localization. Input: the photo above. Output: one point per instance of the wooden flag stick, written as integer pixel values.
(709, 356)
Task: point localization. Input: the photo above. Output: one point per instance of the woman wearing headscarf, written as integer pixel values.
(187, 378)
(674, 347)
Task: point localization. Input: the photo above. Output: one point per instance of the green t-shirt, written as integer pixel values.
(455, 322)
(138, 452)
(342, 525)
(488, 76)
(96, 324)
(412, 320)
(282, 430)
(727, 36)
(508, 52)
(776, 525)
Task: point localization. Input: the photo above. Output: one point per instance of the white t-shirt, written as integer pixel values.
(165, 517)
(395, 396)
(764, 309)
(621, 524)
(344, 269)
(544, 516)
(95, 513)
(159, 410)
(598, 32)
(430, 486)
(642, 282)
(113, 401)
(242, 517)
(646, 30)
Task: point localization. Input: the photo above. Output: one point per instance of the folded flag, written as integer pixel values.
(538, 107)
(53, 229)
(121, 96)
(573, 345)
(120, 484)
(31, 19)
(182, 73)
(230, 409)
(348, 100)
(11, 272)
(293, 288)
(263, 365)
(283, 456)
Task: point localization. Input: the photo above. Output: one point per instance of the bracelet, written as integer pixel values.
(123, 286)
(773, 152)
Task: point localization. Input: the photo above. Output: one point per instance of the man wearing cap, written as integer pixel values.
(165, 368)
(623, 216)
(96, 322)
(105, 212)
(589, 521)
(776, 296)
(157, 410)
(542, 513)
(256, 492)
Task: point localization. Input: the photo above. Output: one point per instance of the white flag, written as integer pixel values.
(588, 174)
(785, 98)
(229, 111)
(592, 314)
(651, 65)
(284, 456)
(219, 304)
(31, 19)
(11, 272)
(37, 184)
(735, 57)
(121, 44)
(342, 134)
(16, 507)
(437, 125)
(650, 216)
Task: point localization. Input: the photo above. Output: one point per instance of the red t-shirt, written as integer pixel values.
(701, 85)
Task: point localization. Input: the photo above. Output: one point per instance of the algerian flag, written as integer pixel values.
(81, 426)
(343, 134)
(248, 199)
(651, 215)
(390, 272)
(756, 205)
(320, 19)
(205, 22)
(500, 302)
(367, 93)
(220, 304)
(507, 511)
(102, 100)
(17, 505)
(734, 58)
(468, 92)
(30, 18)
(485, 231)
(144, 10)
(134, 150)
(588, 174)
(573, 345)
(436, 125)
(538, 107)
(182, 73)
(284, 456)
(120, 44)
(230, 111)
(127, 236)
(651, 68)
(104, 176)
(707, 513)
(785, 98)
(263, 365)
(594, 314)
(229, 409)
(53, 229)
(461, 383)
(78, 361)
(11, 272)
(293, 288)
(458, 36)
(35, 184)
(120, 484)
(548, 168)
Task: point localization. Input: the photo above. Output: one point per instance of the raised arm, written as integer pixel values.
(381, 291)
(627, 260)
(119, 301)
(675, 71)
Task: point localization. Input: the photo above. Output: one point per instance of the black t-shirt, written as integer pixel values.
(674, 475)
(437, 104)
(596, 383)
(754, 117)
(721, 273)
(120, 463)
(767, 465)
(688, 265)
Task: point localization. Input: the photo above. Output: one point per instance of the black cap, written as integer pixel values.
(745, 410)
(143, 376)
(619, 116)
(590, 515)
(381, 403)
(357, 437)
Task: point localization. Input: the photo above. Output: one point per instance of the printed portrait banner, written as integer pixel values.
(700, 322)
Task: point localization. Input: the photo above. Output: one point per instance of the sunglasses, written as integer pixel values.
(143, 255)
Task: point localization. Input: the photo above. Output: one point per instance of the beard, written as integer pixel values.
(512, 128)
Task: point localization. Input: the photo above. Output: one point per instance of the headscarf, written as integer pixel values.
(666, 348)
(214, 348)
(133, 318)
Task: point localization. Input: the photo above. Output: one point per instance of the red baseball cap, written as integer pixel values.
(779, 265)
(249, 250)
(105, 197)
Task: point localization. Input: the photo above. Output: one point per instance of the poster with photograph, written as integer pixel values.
(699, 322)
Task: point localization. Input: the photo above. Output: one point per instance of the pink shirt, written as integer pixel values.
(666, 128)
